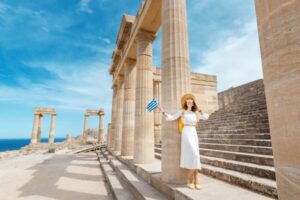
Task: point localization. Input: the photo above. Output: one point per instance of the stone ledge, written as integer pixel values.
(152, 174)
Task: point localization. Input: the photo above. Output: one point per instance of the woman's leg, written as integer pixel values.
(195, 176)
(190, 177)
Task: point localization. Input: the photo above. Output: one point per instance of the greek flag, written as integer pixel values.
(152, 105)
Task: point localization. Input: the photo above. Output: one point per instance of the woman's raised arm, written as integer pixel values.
(174, 116)
(170, 117)
(203, 116)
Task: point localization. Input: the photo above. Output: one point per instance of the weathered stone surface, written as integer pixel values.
(176, 82)
(144, 120)
(129, 108)
(119, 115)
(279, 35)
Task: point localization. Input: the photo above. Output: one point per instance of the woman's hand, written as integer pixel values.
(161, 110)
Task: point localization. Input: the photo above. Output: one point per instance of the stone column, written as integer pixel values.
(69, 138)
(108, 135)
(144, 128)
(129, 108)
(39, 129)
(85, 127)
(279, 36)
(157, 113)
(113, 118)
(119, 115)
(52, 129)
(101, 128)
(175, 83)
(35, 129)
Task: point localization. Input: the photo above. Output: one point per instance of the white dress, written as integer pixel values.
(189, 157)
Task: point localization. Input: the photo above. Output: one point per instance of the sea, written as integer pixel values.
(16, 144)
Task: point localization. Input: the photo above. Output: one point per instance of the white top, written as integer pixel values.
(189, 118)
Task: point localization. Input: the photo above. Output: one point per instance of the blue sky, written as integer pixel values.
(57, 53)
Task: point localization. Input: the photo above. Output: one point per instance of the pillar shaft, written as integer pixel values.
(144, 128)
(113, 118)
(157, 113)
(129, 108)
(101, 128)
(85, 127)
(39, 129)
(119, 115)
(35, 129)
(52, 129)
(175, 83)
(108, 140)
(279, 36)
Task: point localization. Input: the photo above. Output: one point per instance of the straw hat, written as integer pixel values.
(185, 97)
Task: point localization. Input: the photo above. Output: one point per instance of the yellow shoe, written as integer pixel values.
(198, 186)
(190, 185)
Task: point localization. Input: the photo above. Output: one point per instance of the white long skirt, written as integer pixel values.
(190, 157)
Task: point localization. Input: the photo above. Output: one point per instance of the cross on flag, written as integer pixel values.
(152, 105)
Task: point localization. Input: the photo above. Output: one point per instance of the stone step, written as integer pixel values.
(157, 150)
(265, 136)
(255, 183)
(254, 142)
(238, 156)
(244, 130)
(117, 188)
(248, 168)
(239, 148)
(217, 126)
(235, 131)
(140, 189)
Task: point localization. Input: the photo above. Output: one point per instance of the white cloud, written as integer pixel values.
(235, 61)
(106, 40)
(84, 6)
(80, 86)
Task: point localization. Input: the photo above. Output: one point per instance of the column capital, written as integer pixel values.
(120, 81)
(130, 61)
(143, 35)
(86, 115)
(114, 86)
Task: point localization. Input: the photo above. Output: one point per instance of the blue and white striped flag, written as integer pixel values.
(152, 105)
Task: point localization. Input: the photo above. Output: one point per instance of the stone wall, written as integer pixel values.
(228, 96)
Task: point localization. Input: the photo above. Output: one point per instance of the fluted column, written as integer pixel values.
(108, 140)
(175, 83)
(35, 129)
(113, 118)
(85, 127)
(129, 108)
(52, 129)
(144, 128)
(39, 128)
(279, 36)
(157, 113)
(101, 128)
(119, 115)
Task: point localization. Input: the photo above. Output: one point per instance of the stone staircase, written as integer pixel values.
(235, 143)
(123, 182)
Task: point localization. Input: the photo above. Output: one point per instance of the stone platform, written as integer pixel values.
(45, 176)
(150, 175)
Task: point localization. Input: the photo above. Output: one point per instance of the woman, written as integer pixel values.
(189, 158)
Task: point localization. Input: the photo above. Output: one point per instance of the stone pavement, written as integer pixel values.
(59, 176)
